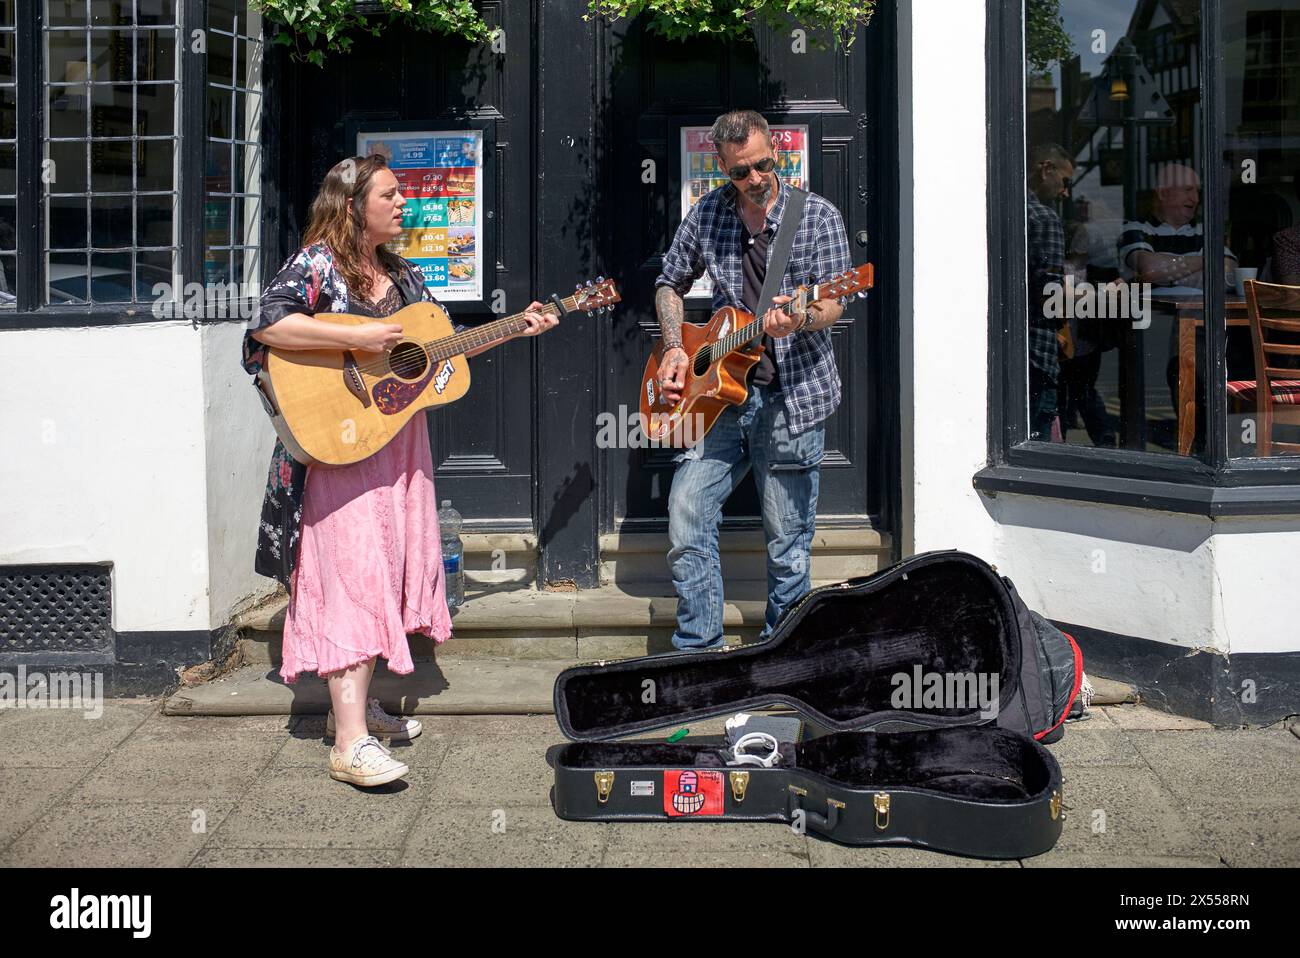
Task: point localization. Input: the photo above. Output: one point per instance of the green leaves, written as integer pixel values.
(315, 28)
(686, 19)
(1046, 41)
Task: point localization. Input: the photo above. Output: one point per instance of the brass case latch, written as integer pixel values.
(881, 801)
(604, 785)
(739, 783)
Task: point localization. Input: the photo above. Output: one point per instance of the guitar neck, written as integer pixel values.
(751, 330)
(491, 334)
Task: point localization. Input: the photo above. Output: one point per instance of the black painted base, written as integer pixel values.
(1248, 688)
(139, 664)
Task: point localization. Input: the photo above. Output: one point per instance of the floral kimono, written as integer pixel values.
(308, 283)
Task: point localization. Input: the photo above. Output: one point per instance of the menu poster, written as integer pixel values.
(441, 175)
(702, 171)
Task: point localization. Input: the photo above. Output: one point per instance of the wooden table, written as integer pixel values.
(1190, 313)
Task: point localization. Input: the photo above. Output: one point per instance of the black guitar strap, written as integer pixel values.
(778, 257)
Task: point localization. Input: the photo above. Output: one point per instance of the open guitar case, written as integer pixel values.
(866, 769)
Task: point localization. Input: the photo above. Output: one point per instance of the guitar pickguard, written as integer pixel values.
(393, 395)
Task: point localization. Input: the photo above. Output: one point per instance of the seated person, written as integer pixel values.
(1168, 250)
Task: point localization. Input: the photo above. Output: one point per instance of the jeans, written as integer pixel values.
(787, 472)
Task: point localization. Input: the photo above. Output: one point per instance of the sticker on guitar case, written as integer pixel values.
(692, 794)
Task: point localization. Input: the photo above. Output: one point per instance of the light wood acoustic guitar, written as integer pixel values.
(722, 352)
(334, 407)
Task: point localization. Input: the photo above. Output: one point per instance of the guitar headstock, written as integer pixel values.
(599, 294)
(852, 281)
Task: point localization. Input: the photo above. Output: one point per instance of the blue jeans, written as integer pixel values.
(787, 471)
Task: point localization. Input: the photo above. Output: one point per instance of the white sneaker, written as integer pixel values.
(378, 722)
(365, 763)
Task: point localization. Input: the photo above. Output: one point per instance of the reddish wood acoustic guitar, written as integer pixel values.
(722, 352)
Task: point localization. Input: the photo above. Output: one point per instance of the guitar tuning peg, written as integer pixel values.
(590, 284)
(862, 294)
(600, 279)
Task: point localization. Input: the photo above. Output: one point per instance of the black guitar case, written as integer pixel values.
(885, 762)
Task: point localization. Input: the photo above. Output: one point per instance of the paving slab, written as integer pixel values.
(28, 793)
(1124, 810)
(1143, 718)
(183, 759)
(824, 853)
(64, 738)
(450, 685)
(218, 857)
(1211, 769)
(1256, 836)
(115, 834)
(495, 772)
(305, 808)
(1093, 743)
(1078, 860)
(507, 835)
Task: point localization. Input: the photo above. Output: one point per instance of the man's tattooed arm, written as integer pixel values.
(671, 310)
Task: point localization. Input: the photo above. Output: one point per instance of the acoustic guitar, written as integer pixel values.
(334, 407)
(721, 353)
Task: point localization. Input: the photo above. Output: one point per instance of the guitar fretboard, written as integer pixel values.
(750, 331)
(441, 349)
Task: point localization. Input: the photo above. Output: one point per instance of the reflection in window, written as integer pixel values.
(111, 97)
(1114, 229)
(1261, 57)
(8, 155)
(232, 213)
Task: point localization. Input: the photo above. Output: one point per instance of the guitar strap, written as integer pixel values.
(778, 257)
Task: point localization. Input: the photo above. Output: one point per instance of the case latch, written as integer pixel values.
(881, 800)
(604, 785)
(1054, 806)
(739, 782)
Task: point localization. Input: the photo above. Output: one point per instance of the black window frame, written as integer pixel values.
(1216, 486)
(29, 312)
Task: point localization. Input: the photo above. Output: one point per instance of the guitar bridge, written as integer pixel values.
(352, 379)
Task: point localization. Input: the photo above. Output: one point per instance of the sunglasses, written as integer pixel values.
(765, 165)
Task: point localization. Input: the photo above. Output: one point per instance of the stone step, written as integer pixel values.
(525, 623)
(838, 554)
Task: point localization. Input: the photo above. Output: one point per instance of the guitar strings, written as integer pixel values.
(407, 368)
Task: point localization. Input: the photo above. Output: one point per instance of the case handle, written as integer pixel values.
(823, 823)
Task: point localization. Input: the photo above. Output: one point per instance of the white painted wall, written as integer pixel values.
(142, 447)
(103, 431)
(944, 275)
(237, 449)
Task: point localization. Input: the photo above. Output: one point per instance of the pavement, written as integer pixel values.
(136, 787)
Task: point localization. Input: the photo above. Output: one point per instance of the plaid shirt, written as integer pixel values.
(711, 239)
(1045, 248)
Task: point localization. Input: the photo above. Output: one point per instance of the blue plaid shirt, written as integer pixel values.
(711, 239)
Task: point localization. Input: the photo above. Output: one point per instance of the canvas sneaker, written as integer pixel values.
(365, 763)
(378, 722)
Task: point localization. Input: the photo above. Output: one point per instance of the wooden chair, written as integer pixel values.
(1274, 313)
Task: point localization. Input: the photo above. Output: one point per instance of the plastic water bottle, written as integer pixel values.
(453, 553)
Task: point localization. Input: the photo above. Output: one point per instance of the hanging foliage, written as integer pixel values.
(1046, 41)
(688, 19)
(314, 28)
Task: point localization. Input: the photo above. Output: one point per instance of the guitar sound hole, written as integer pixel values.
(408, 361)
(701, 362)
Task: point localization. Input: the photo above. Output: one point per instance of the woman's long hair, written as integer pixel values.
(330, 223)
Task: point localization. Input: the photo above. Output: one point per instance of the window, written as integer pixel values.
(1145, 164)
(233, 207)
(112, 96)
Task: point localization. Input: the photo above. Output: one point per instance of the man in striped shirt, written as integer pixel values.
(1169, 250)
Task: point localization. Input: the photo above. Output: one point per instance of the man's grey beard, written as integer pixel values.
(760, 197)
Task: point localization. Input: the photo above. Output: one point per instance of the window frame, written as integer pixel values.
(29, 312)
(1215, 486)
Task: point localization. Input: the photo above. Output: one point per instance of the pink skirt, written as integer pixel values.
(370, 562)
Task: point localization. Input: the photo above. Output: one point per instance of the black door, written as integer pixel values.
(483, 445)
(657, 86)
